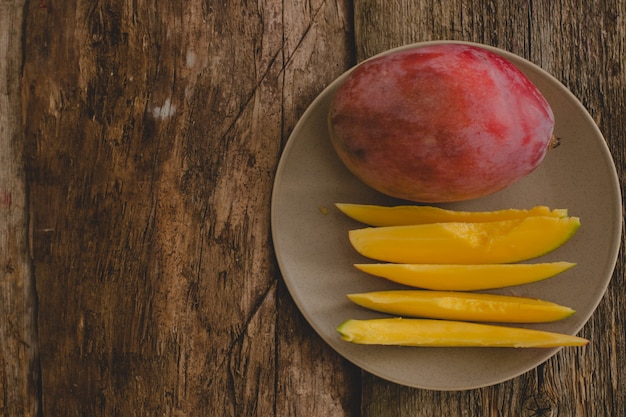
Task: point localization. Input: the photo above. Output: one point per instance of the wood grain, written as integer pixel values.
(19, 365)
(155, 131)
(312, 379)
(583, 46)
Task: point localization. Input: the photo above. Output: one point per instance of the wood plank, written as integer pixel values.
(155, 131)
(19, 362)
(312, 379)
(586, 55)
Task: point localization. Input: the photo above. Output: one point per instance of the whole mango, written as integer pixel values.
(440, 123)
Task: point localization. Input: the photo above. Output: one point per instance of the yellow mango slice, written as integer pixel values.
(446, 333)
(464, 277)
(374, 215)
(506, 241)
(462, 306)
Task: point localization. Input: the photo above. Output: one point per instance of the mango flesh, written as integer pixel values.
(447, 333)
(462, 306)
(465, 243)
(374, 215)
(440, 123)
(465, 277)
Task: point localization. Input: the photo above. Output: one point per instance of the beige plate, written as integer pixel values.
(315, 257)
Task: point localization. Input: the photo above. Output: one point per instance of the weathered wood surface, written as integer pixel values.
(154, 131)
(151, 134)
(19, 365)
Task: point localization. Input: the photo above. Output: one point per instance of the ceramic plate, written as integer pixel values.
(315, 257)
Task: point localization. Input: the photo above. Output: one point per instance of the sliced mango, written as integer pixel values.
(446, 333)
(465, 277)
(374, 215)
(462, 306)
(506, 241)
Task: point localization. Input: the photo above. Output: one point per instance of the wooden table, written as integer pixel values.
(138, 147)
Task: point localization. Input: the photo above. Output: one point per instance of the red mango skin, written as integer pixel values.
(440, 123)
